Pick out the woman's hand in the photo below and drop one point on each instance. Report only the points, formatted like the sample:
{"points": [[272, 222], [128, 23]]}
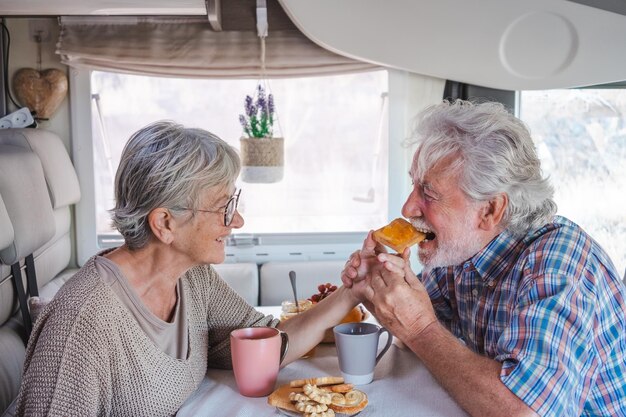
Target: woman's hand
{"points": [[358, 267], [307, 329]]}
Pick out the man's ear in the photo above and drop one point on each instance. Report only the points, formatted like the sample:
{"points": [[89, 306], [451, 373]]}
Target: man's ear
{"points": [[162, 224], [492, 213]]}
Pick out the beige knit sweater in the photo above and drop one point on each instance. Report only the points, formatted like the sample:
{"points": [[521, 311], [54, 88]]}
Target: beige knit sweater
{"points": [[87, 356]]}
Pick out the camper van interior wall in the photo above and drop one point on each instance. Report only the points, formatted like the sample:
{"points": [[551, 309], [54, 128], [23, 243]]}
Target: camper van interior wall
{"points": [[40, 91], [262, 154]]}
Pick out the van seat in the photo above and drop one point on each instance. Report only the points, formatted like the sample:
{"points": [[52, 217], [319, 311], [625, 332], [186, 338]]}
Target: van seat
{"points": [[48, 291], [24, 193], [7, 235], [62, 190], [11, 344], [243, 278], [38, 185], [275, 285]]}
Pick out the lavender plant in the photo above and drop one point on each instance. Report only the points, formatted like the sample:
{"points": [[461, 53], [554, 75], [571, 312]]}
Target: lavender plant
{"points": [[258, 120]]}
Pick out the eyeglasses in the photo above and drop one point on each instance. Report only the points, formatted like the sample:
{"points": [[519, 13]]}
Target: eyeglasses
{"points": [[229, 208]]}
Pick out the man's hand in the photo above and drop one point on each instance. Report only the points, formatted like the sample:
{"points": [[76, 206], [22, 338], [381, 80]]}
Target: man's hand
{"points": [[400, 300], [402, 305]]}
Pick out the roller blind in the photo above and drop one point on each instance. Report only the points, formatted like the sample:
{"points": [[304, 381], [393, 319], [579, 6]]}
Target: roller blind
{"points": [[188, 47]]}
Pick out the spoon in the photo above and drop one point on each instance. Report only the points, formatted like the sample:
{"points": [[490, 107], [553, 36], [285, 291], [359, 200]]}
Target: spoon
{"points": [[292, 278]]}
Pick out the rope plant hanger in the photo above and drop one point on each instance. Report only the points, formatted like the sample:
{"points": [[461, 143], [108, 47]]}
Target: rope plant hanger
{"points": [[262, 152]]}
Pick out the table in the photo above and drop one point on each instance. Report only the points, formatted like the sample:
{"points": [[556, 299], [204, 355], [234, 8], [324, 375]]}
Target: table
{"points": [[402, 387]]}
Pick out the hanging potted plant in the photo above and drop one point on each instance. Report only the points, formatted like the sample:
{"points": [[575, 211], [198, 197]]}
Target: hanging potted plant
{"points": [[262, 154]]}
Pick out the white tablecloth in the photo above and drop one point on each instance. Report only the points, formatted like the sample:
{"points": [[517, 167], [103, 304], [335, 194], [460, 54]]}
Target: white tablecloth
{"points": [[402, 387]]}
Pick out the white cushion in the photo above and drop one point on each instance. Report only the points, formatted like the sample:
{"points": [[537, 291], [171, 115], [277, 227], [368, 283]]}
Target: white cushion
{"points": [[12, 354], [59, 172], [48, 291], [25, 197], [6, 228], [275, 285], [10, 412], [243, 278]]}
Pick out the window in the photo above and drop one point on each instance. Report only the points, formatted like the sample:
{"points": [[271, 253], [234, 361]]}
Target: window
{"points": [[336, 144], [580, 135]]}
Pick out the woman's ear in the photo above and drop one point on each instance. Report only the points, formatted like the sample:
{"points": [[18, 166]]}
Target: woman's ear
{"points": [[492, 213], [162, 224]]}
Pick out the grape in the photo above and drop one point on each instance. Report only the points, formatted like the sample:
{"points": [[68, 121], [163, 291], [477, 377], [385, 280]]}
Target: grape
{"points": [[324, 290]]}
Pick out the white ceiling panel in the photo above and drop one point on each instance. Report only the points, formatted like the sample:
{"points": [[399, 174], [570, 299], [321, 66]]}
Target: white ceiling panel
{"points": [[505, 44]]}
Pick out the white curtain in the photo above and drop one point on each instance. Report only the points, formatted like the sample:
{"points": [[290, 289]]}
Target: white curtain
{"points": [[188, 47]]}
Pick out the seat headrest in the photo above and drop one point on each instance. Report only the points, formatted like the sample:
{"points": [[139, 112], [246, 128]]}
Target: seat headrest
{"points": [[59, 172], [6, 228], [23, 190]]}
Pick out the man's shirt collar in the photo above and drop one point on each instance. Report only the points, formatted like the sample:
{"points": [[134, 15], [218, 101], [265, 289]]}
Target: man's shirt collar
{"points": [[499, 256]]}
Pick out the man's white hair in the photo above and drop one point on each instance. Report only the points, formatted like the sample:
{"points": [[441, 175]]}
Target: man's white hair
{"points": [[493, 153]]}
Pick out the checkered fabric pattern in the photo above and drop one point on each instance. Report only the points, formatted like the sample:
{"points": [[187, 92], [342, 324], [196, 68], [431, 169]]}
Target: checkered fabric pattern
{"points": [[550, 306]]}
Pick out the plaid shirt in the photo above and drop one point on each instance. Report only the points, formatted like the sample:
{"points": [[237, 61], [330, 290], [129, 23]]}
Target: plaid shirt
{"points": [[550, 307]]}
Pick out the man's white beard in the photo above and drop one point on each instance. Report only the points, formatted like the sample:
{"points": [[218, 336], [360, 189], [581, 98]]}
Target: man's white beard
{"points": [[454, 251]]}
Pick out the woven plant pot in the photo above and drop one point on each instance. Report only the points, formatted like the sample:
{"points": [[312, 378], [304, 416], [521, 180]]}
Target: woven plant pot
{"points": [[262, 159]]}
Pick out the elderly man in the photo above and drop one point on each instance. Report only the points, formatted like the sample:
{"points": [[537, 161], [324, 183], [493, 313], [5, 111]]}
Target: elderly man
{"points": [[517, 311]]}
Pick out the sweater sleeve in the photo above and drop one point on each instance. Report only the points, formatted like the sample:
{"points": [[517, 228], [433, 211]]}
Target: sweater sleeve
{"points": [[227, 311], [64, 370]]}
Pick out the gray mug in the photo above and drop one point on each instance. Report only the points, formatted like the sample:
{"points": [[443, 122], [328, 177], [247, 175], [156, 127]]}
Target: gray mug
{"points": [[357, 344]]}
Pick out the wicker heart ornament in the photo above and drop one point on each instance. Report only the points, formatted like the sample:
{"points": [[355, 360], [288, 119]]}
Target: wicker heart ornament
{"points": [[40, 91]]}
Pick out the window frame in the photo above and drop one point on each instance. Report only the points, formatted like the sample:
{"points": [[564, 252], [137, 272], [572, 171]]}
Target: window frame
{"points": [[241, 247]]}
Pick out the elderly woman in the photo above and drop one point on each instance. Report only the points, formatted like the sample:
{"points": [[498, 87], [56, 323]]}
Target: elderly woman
{"points": [[133, 332]]}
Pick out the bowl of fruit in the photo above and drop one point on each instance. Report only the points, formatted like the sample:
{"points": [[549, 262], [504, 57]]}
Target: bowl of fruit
{"points": [[358, 313]]}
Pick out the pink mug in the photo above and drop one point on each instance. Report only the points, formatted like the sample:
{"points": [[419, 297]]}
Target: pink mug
{"points": [[257, 353]]}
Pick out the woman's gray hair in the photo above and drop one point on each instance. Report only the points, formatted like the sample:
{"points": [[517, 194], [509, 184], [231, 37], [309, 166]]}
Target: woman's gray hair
{"points": [[493, 152], [167, 165]]}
